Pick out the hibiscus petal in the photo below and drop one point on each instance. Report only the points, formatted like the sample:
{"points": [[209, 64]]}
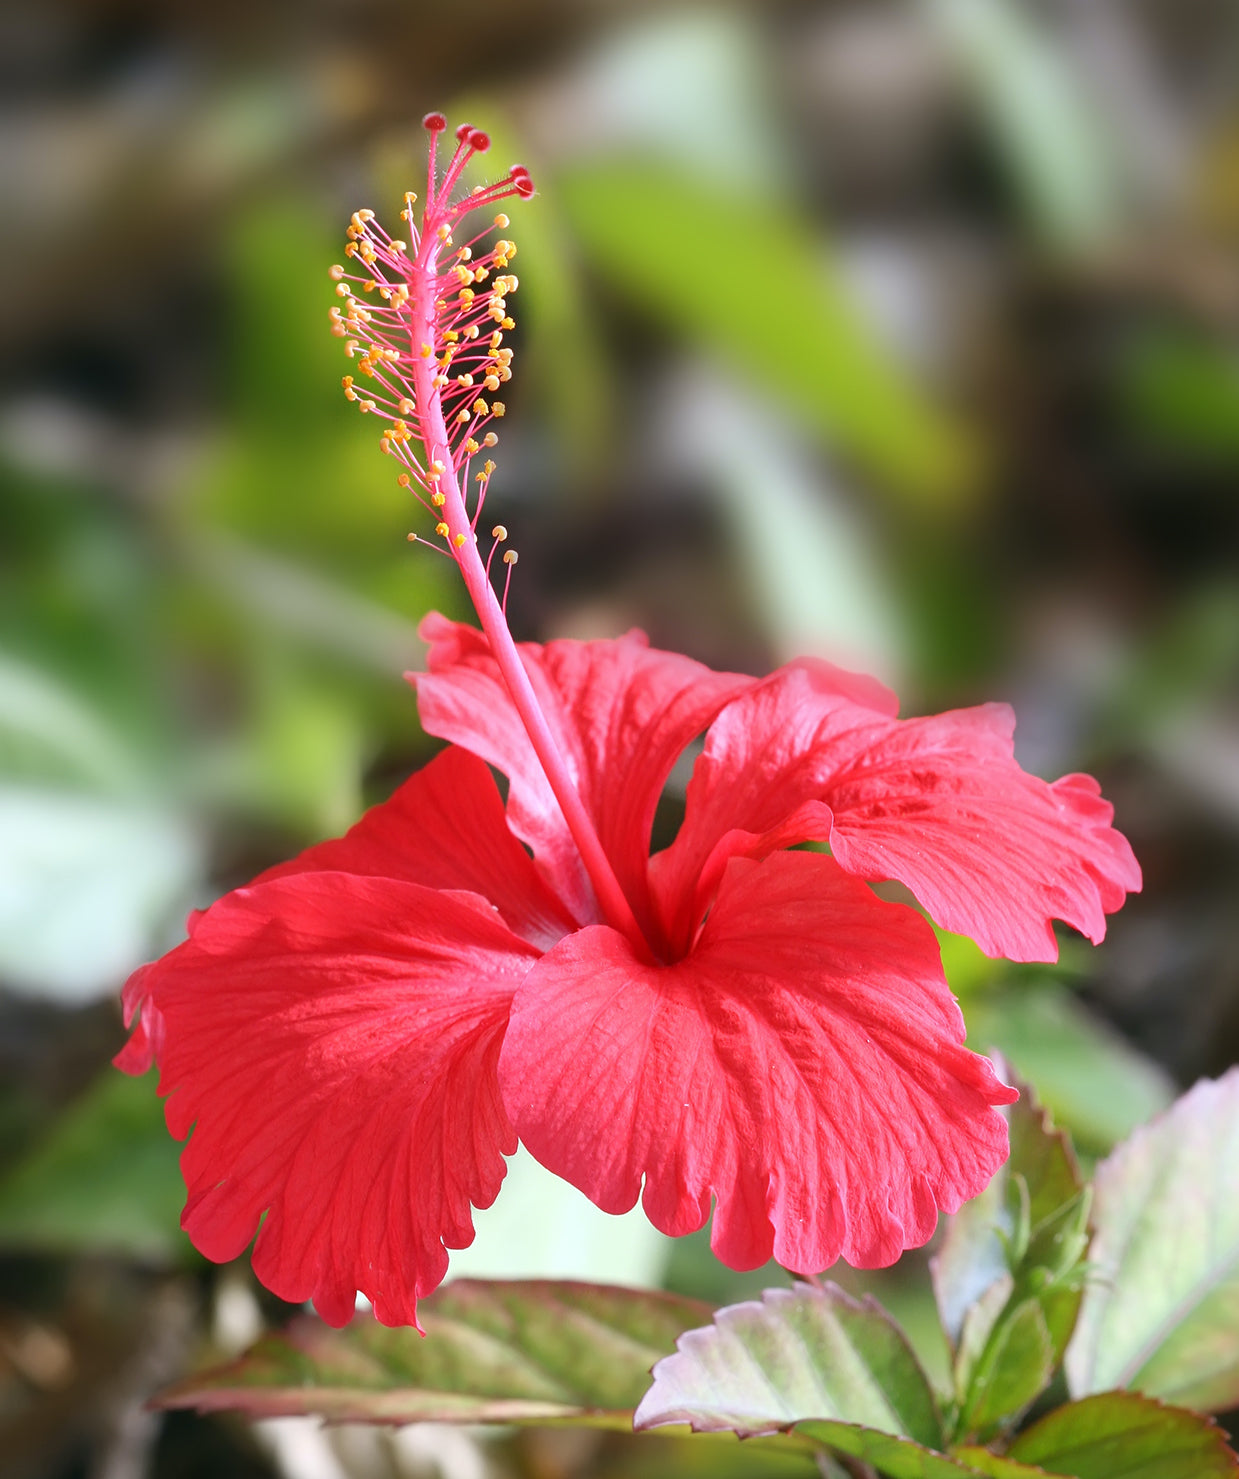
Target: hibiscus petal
{"points": [[939, 804], [332, 1042], [620, 711], [445, 828], [804, 1066]]}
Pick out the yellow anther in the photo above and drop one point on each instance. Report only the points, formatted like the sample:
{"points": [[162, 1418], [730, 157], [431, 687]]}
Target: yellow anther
{"points": [[410, 197], [366, 215], [351, 249], [426, 351], [509, 323], [465, 254], [440, 382], [466, 296], [490, 440], [442, 530], [471, 332], [480, 274], [505, 374], [336, 272], [463, 274], [510, 557], [471, 447], [358, 223], [498, 408], [436, 468], [488, 467], [412, 538], [367, 405], [351, 348], [480, 407], [502, 221], [491, 382], [438, 499], [404, 480], [464, 380], [346, 381], [496, 339], [462, 416], [349, 393], [369, 287], [499, 533], [444, 234], [399, 246], [458, 540], [405, 406], [451, 336], [343, 290]]}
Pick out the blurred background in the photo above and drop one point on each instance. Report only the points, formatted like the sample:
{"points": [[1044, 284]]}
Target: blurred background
{"points": [[899, 331]]}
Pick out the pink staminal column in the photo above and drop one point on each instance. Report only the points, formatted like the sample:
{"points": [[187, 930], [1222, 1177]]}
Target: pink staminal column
{"points": [[432, 316]]}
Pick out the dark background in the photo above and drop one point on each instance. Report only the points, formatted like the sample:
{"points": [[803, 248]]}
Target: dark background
{"points": [[904, 333]]}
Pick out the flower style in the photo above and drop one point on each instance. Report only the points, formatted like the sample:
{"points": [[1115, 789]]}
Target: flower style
{"points": [[359, 1037]]}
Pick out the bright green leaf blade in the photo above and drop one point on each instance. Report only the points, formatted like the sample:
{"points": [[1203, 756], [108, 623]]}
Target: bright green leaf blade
{"points": [[973, 1255], [1161, 1313], [494, 1352], [801, 1353], [105, 1180], [1016, 1368], [896, 1458], [996, 1465], [752, 287], [1122, 1434]]}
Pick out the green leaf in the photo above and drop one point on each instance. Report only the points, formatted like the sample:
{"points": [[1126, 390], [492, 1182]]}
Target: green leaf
{"points": [[90, 886], [805, 1352], [105, 1180], [752, 287], [815, 580], [996, 1465], [518, 1352], [1122, 1434], [1184, 390], [1040, 116], [1005, 1278], [897, 1458], [48, 731], [1014, 1369], [1162, 1312], [1093, 1082], [974, 1253]]}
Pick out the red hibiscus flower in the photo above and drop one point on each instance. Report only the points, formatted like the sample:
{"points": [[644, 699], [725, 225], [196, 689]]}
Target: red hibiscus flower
{"points": [[358, 1038]]}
